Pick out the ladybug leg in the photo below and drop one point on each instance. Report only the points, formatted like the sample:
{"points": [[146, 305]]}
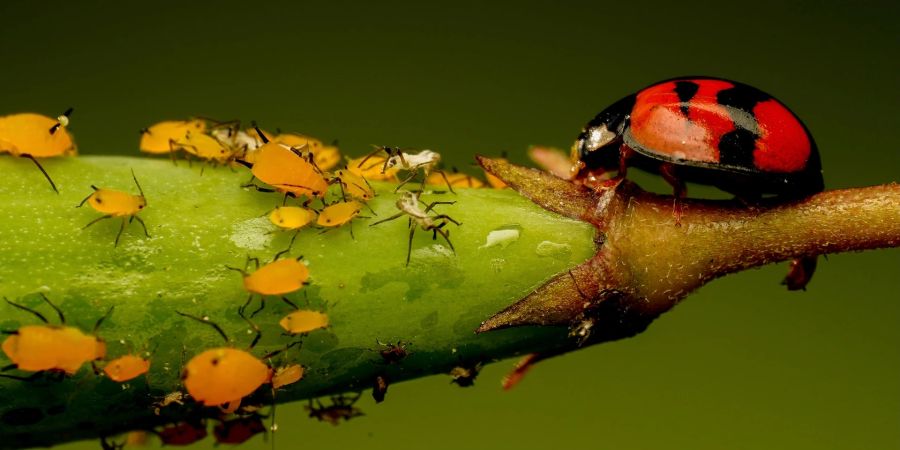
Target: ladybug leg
{"points": [[668, 173], [625, 153], [800, 272]]}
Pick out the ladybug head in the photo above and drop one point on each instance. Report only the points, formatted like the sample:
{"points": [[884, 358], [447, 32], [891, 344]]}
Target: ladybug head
{"points": [[602, 133]]}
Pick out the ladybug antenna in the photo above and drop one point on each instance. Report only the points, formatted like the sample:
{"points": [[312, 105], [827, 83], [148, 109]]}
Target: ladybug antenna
{"points": [[208, 322]]}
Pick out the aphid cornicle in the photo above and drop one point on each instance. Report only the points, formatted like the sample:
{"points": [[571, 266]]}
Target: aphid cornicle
{"points": [[710, 131], [114, 203], [277, 278], [34, 136], [60, 348]]}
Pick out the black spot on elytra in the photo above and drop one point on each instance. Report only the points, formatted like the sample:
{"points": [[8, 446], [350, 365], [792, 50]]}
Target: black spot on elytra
{"points": [[736, 148], [22, 416], [686, 91], [742, 97]]}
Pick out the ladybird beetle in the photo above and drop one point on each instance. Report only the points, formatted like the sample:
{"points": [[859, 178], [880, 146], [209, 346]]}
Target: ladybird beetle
{"points": [[276, 278], [710, 131], [60, 348], [341, 408], [32, 136], [126, 367], [114, 203]]}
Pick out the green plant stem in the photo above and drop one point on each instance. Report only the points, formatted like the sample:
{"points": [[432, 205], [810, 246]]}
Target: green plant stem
{"points": [[198, 225]]}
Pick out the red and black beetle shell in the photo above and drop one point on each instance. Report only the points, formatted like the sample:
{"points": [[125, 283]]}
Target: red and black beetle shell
{"points": [[713, 131]]}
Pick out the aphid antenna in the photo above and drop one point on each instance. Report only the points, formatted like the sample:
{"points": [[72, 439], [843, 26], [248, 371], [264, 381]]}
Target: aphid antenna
{"points": [[121, 230], [208, 322], [282, 350], [25, 308], [39, 166], [133, 177], [394, 217], [373, 153], [103, 318]]}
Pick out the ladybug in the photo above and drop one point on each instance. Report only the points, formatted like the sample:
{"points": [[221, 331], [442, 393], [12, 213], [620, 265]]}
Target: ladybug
{"points": [[709, 131]]}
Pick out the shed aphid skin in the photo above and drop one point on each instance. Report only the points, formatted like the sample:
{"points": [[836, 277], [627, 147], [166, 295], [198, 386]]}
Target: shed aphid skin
{"points": [[379, 388], [425, 160], [277, 278], [165, 137], [341, 407], [34, 136], [338, 214], [114, 203], [51, 348], [303, 322], [409, 205], [464, 375], [225, 375], [393, 353]]}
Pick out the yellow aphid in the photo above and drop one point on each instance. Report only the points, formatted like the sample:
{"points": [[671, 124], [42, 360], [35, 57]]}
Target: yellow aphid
{"points": [[339, 213], [325, 156], [114, 203], [287, 375], [303, 321], [288, 172], [163, 137], [371, 168], [277, 278], [33, 136], [455, 180], [206, 147], [291, 217], [354, 185], [126, 368], [224, 375]]}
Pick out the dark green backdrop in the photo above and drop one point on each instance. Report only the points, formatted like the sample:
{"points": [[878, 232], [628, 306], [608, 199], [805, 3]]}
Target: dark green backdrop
{"points": [[742, 364]]}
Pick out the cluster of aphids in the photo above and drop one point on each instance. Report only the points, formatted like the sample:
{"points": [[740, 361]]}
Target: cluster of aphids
{"points": [[299, 167]]}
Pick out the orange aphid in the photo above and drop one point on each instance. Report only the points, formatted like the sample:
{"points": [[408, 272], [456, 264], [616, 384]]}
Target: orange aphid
{"points": [[127, 367], [287, 375], [113, 203], [339, 213], [303, 321], [277, 278], [455, 180], [163, 137], [291, 217], [288, 172], [36, 348], [206, 147], [32, 136], [371, 169], [354, 185], [224, 375]]}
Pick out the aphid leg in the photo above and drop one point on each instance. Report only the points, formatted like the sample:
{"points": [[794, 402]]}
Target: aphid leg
{"points": [[289, 302], [246, 304], [412, 232], [59, 313], [208, 322], [668, 173], [446, 217], [25, 308], [395, 216], [258, 188], [281, 253], [256, 330], [102, 318], [96, 220], [46, 175], [371, 154], [409, 178], [262, 304], [31, 377], [143, 225], [446, 180], [119, 234], [255, 262], [8, 368], [95, 188], [282, 350]]}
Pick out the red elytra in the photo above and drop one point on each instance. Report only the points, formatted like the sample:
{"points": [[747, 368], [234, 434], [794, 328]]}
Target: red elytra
{"points": [[709, 131]]}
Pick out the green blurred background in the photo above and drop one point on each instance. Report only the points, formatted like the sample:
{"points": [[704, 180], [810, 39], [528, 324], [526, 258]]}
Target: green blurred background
{"points": [[741, 364]]}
